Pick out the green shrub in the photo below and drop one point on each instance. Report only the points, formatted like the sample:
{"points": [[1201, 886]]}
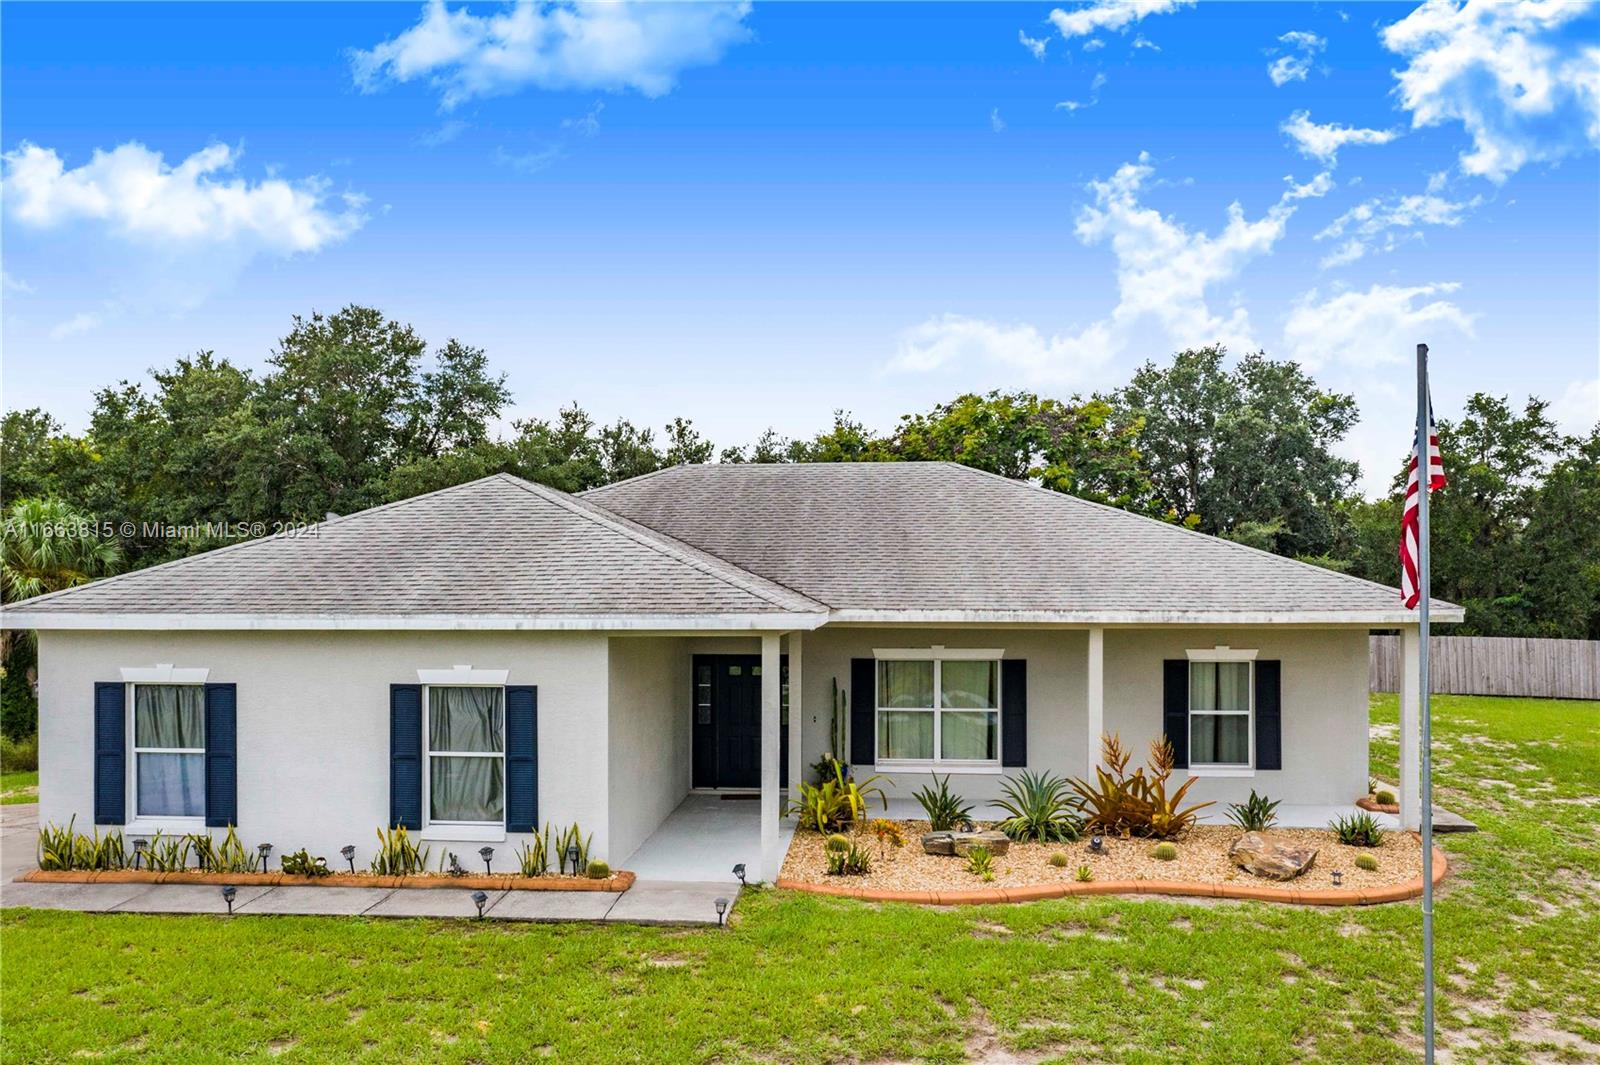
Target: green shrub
{"points": [[838, 800], [64, 848], [1367, 862], [980, 863], [1255, 813], [534, 858], [168, 855], [397, 855], [945, 809], [561, 842], [1039, 809], [19, 756], [1357, 830], [1085, 874], [229, 856], [1060, 860], [1166, 852], [855, 861], [301, 863], [1384, 798], [599, 870]]}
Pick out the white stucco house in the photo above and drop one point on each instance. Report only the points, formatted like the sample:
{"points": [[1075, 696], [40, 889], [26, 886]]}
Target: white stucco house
{"points": [[481, 660]]}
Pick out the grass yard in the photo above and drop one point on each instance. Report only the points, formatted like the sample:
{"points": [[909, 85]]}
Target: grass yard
{"points": [[809, 979], [19, 787]]}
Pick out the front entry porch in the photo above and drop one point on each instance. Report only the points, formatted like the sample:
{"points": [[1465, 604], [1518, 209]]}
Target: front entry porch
{"points": [[704, 838]]}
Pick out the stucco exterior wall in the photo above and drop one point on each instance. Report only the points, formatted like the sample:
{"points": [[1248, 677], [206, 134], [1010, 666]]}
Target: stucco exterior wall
{"points": [[1324, 701], [313, 722], [649, 736]]}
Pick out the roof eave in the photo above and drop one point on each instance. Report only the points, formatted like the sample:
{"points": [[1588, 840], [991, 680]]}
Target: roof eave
{"points": [[1370, 618], [197, 622]]}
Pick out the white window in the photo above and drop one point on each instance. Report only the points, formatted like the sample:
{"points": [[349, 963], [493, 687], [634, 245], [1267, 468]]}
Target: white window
{"points": [[169, 750], [465, 732], [938, 710], [1221, 719]]}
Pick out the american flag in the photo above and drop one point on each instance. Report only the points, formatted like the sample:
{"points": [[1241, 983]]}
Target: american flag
{"points": [[1409, 548]]}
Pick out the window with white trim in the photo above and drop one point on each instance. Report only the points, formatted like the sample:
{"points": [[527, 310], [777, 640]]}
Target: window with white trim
{"points": [[464, 730], [938, 711], [1221, 714], [169, 750]]}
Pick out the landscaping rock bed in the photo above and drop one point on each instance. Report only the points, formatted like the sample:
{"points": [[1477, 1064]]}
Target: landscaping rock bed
{"points": [[1202, 857]]}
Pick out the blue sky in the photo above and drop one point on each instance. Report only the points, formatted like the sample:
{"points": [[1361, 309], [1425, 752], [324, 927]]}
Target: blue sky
{"points": [[753, 214]]}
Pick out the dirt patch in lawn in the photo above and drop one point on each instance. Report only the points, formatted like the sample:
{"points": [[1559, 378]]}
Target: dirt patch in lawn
{"points": [[1202, 857]]}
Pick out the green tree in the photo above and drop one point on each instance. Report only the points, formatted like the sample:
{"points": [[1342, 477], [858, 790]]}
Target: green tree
{"points": [[1251, 446], [1562, 544]]}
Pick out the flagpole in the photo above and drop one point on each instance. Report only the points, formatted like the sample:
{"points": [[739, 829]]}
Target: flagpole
{"points": [[1424, 482]]}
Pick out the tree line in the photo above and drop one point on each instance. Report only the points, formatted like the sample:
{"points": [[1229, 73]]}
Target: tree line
{"points": [[353, 410]]}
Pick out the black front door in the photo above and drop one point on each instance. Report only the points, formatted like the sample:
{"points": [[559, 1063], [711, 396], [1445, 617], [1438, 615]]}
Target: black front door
{"points": [[727, 722]]}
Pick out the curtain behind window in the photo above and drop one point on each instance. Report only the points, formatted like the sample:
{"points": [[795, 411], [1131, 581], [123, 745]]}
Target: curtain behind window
{"points": [[170, 715], [466, 719]]}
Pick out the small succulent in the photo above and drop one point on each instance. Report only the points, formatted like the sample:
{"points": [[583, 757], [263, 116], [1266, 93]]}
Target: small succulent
{"points": [[1085, 874], [599, 870], [1385, 798], [980, 863], [1059, 860], [1367, 862], [1357, 830], [1166, 852], [838, 843]]}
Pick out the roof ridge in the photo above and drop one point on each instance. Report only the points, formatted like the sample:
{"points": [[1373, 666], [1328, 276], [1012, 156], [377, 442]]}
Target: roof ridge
{"points": [[638, 477], [681, 551], [1207, 537], [253, 542]]}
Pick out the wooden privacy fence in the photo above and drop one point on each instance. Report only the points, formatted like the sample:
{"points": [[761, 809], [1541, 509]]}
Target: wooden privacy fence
{"points": [[1495, 665]]}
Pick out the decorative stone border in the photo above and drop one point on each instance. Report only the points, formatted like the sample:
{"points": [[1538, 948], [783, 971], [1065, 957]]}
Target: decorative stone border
{"points": [[619, 881], [1410, 889]]}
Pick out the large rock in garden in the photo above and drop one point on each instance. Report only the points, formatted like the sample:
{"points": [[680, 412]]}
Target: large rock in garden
{"points": [[960, 844], [1267, 857]]}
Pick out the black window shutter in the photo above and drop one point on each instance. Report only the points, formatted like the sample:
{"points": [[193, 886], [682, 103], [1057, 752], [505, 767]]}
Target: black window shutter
{"points": [[1175, 709], [522, 758], [222, 759], [863, 711], [1269, 714], [1013, 711], [405, 756], [110, 754]]}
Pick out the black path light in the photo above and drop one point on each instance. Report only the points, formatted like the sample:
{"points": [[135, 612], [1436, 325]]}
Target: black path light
{"points": [[265, 849], [738, 871], [349, 852], [572, 858], [1338, 877], [478, 899], [227, 896], [487, 854], [138, 850], [722, 908]]}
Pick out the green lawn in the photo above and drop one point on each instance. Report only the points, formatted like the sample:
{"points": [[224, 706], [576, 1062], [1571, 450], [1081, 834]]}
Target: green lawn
{"points": [[19, 787], [807, 979]]}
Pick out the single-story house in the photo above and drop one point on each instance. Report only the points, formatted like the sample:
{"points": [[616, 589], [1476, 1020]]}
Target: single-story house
{"points": [[478, 661]]}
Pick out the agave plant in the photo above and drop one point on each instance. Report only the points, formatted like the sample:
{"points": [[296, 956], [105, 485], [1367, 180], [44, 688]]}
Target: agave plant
{"points": [[1039, 808], [945, 809], [1255, 813]]}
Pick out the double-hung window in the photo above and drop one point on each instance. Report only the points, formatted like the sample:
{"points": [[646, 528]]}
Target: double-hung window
{"points": [[169, 750], [1221, 702], [466, 738], [938, 710]]}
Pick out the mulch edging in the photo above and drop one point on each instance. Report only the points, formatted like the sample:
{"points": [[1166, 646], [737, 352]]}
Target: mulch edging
{"points": [[1410, 889], [619, 881]]}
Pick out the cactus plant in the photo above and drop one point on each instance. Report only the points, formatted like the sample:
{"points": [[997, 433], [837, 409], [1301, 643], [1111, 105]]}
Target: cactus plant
{"points": [[599, 870], [1166, 852], [1059, 860], [1367, 862]]}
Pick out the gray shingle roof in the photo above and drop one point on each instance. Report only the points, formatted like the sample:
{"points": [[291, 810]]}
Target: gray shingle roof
{"points": [[873, 538], [496, 547]]}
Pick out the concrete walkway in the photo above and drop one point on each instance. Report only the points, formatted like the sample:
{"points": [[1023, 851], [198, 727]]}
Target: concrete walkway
{"points": [[647, 902], [703, 839]]}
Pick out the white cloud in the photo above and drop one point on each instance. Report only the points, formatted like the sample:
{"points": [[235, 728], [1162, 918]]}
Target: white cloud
{"points": [[1577, 411], [1096, 83], [78, 323], [1036, 45], [14, 284], [1395, 219], [1165, 272], [1110, 15], [446, 132], [586, 124], [1322, 142], [1142, 41], [1316, 188], [586, 46], [529, 162], [996, 123], [133, 194], [1093, 44], [1366, 329], [1296, 64], [1523, 82]]}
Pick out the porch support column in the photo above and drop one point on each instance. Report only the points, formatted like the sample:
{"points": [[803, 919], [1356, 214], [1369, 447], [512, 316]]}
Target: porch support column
{"points": [[1410, 729], [771, 738], [797, 708], [1095, 671]]}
